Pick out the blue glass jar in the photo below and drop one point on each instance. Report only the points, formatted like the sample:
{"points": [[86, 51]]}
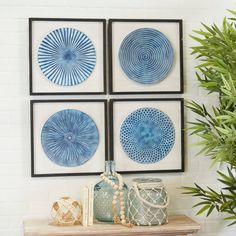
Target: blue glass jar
{"points": [[103, 195]]}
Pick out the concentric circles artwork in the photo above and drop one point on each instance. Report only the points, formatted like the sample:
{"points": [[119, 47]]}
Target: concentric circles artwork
{"points": [[69, 138], [147, 135], [146, 56], [66, 56]]}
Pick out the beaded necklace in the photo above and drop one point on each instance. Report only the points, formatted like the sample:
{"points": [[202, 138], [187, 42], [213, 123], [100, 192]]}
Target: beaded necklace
{"points": [[117, 194]]}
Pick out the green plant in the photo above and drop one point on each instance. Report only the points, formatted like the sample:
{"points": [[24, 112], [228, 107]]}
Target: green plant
{"points": [[217, 126]]}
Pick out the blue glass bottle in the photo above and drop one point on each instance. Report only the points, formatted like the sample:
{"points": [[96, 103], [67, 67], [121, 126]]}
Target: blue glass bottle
{"points": [[103, 195]]}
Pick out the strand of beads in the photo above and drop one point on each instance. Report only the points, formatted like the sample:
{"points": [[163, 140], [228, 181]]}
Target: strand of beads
{"points": [[118, 193], [121, 195]]}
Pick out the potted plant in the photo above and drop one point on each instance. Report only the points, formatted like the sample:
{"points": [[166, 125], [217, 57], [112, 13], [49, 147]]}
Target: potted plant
{"points": [[216, 126]]}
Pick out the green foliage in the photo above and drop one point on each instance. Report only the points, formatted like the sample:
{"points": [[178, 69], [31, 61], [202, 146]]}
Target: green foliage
{"points": [[223, 201], [217, 52], [217, 126]]}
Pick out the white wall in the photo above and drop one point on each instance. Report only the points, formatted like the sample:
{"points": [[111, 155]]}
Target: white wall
{"points": [[22, 197]]}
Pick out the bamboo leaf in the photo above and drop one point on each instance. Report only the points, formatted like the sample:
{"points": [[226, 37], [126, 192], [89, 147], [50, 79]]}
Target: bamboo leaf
{"points": [[203, 33], [202, 203], [230, 218], [230, 174], [212, 207], [223, 131], [226, 84], [196, 39], [225, 177], [233, 223], [209, 29], [203, 209]]}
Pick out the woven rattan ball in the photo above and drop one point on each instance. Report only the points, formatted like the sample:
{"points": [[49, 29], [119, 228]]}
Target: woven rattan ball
{"points": [[66, 211]]}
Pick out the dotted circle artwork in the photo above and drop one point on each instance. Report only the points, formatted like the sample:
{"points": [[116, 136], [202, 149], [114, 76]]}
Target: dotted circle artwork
{"points": [[69, 138], [147, 135], [66, 56], [146, 56]]}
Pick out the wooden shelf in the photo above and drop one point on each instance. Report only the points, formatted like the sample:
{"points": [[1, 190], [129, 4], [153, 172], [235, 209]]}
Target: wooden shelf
{"points": [[178, 225]]}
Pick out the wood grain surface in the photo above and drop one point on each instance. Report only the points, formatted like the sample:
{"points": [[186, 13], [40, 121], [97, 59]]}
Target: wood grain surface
{"points": [[178, 225]]}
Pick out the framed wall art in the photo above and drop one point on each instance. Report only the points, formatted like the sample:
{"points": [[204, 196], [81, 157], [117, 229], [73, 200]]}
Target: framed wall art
{"points": [[146, 56], [147, 135], [68, 137], [67, 56]]}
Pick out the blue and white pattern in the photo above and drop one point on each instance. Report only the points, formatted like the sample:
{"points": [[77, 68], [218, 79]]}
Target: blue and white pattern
{"points": [[146, 56], [69, 138], [147, 135], [66, 56]]}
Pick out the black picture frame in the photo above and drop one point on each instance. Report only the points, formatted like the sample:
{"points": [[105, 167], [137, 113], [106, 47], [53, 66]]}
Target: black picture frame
{"points": [[37, 87], [126, 104], [114, 64], [67, 103]]}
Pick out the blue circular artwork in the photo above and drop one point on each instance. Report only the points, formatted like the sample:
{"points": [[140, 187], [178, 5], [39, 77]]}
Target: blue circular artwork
{"points": [[66, 56], [69, 138], [147, 135], [146, 56]]}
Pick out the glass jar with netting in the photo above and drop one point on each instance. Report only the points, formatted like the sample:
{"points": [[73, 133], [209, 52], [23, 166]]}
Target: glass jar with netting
{"points": [[147, 202]]}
